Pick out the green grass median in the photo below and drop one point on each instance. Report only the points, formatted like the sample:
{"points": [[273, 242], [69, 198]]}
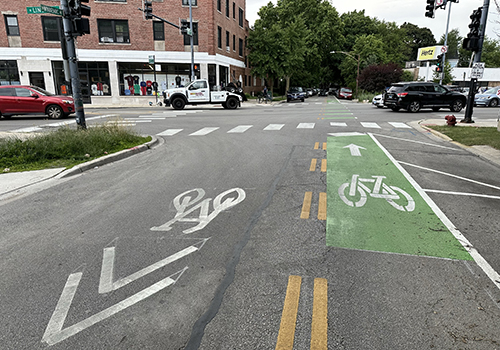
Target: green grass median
{"points": [[471, 135], [65, 147]]}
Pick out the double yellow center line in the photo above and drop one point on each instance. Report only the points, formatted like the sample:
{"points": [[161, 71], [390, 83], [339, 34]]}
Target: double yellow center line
{"points": [[319, 327]]}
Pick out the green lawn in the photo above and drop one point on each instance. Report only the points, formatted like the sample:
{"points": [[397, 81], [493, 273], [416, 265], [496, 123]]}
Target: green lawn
{"points": [[65, 147], [470, 135]]}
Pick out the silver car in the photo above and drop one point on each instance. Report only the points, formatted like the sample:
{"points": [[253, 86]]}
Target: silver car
{"points": [[489, 98]]}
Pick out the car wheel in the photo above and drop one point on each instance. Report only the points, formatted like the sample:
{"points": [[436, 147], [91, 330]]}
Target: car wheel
{"points": [[54, 112], [414, 106], [435, 109], [493, 103], [232, 103], [456, 106], [301, 100], [288, 100], [395, 109], [178, 103]]}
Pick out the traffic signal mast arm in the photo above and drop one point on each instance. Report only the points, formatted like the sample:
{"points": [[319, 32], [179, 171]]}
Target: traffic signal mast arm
{"points": [[183, 29]]}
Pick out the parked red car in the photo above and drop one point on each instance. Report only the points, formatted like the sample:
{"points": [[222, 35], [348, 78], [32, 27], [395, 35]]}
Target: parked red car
{"points": [[345, 93], [22, 99]]}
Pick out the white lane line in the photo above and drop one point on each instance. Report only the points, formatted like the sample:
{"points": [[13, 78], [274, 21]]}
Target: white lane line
{"points": [[318, 103], [337, 134], [169, 132], [31, 129], [203, 132], [338, 124], [274, 127], [420, 142], [370, 125], [463, 194], [136, 120], [478, 258], [400, 125], [240, 129], [306, 126], [451, 175]]}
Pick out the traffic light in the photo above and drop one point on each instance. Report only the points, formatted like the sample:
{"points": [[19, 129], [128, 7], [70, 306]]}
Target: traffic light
{"points": [[471, 43], [439, 64], [81, 26], [185, 28], [148, 9], [196, 68], [429, 9]]}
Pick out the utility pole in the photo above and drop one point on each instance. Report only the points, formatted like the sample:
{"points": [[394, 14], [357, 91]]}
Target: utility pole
{"points": [[477, 47], [445, 44], [191, 40]]}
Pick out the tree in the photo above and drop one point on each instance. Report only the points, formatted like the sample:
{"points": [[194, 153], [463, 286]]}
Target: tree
{"points": [[416, 38], [454, 43], [376, 78]]}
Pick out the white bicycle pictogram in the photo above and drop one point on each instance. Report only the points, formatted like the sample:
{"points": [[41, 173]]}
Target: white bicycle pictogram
{"points": [[380, 190]]}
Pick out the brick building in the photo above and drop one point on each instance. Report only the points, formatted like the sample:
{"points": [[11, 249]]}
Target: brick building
{"points": [[113, 59]]}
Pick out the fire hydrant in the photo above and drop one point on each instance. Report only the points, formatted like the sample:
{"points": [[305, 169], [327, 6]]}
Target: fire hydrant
{"points": [[451, 120]]}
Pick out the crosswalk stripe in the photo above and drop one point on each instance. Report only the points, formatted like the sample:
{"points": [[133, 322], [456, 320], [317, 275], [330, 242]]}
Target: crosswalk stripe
{"points": [[274, 127], [400, 125], [371, 125], [338, 124], [169, 132], [306, 126], [240, 129], [203, 132]]}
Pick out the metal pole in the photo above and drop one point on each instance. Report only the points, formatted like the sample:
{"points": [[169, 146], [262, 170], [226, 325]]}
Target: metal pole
{"points": [[357, 78], [445, 44], [191, 40], [73, 65], [477, 58]]}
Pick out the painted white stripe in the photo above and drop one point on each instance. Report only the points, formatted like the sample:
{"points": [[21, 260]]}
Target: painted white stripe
{"points": [[463, 194], [54, 332], [400, 125], [306, 126], [240, 129], [318, 103], [32, 129], [451, 175], [136, 120], [274, 127], [370, 125], [203, 132], [169, 132], [337, 134], [420, 142], [338, 124], [480, 261], [122, 123]]}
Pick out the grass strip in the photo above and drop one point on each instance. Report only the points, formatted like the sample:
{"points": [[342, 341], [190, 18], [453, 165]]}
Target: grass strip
{"points": [[471, 135], [65, 147]]}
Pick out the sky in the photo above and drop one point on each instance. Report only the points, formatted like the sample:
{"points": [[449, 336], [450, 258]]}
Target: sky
{"points": [[411, 11]]}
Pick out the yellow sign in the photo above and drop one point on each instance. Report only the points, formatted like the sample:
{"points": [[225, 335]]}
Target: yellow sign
{"points": [[430, 53]]}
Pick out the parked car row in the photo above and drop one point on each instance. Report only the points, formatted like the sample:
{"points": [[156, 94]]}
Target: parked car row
{"points": [[413, 96]]}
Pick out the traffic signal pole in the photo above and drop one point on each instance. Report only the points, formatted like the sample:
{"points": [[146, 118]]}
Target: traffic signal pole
{"points": [[73, 65], [445, 44], [191, 40], [477, 58]]}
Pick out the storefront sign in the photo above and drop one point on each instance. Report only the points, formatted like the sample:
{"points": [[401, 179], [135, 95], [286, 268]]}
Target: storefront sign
{"points": [[430, 53]]}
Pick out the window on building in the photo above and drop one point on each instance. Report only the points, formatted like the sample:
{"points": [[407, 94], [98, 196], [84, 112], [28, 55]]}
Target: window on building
{"points": [[241, 18], [240, 49], [219, 37], [219, 5], [158, 30], [113, 31], [227, 40], [234, 10], [193, 2], [227, 8], [187, 40], [50, 27], [11, 25], [9, 74], [234, 43]]}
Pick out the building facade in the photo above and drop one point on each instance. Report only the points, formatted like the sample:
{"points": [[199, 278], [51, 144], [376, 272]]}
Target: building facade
{"points": [[115, 59]]}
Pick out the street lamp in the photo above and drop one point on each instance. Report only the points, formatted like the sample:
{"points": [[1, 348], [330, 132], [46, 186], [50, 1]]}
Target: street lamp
{"points": [[357, 60]]}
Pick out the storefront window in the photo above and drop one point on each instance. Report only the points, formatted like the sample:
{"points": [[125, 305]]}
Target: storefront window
{"points": [[94, 77], [137, 79], [9, 74]]}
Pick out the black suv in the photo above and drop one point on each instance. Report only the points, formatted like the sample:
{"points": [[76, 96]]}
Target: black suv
{"points": [[413, 96]]}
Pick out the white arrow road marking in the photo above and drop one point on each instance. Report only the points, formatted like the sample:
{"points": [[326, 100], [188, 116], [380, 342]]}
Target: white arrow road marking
{"points": [[54, 332], [106, 283], [354, 150]]}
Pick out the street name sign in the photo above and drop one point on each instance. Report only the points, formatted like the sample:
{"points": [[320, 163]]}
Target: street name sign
{"points": [[33, 9], [52, 10]]}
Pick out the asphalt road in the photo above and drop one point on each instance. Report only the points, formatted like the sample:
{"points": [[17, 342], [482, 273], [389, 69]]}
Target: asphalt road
{"points": [[203, 241]]}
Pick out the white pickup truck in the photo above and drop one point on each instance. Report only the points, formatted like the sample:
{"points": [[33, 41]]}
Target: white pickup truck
{"points": [[197, 93]]}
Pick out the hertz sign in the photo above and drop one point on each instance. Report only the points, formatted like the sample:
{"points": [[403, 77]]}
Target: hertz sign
{"points": [[430, 53]]}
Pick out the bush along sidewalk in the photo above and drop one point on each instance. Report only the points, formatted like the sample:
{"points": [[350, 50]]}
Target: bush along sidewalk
{"points": [[470, 135], [66, 147]]}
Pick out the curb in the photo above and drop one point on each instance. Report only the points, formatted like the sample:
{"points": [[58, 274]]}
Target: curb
{"points": [[80, 168]]}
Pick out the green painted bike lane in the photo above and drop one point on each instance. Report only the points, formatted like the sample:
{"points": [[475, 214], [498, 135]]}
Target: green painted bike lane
{"points": [[371, 205]]}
